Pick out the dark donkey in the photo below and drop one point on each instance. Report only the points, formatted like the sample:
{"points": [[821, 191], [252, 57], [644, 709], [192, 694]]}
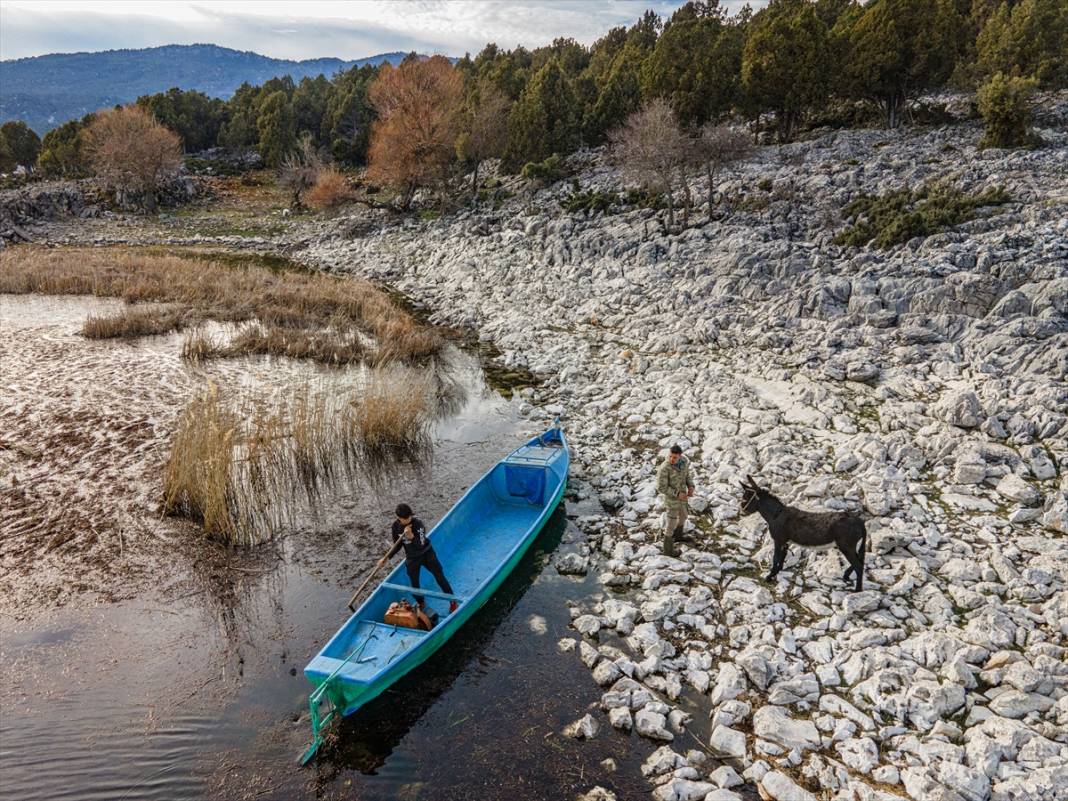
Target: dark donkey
{"points": [[817, 530]]}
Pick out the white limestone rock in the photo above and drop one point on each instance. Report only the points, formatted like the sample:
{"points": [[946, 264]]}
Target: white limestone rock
{"points": [[652, 725], [727, 742], [620, 718], [585, 728], [1016, 489], [725, 776], [772, 723], [859, 753], [777, 786]]}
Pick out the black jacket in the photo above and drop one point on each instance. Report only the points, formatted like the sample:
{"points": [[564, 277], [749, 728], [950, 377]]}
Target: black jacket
{"points": [[420, 544]]}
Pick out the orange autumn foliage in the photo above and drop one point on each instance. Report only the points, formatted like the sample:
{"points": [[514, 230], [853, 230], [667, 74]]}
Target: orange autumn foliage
{"points": [[414, 138]]}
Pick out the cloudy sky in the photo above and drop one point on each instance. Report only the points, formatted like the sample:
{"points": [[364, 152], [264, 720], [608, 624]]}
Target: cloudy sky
{"points": [[300, 29]]}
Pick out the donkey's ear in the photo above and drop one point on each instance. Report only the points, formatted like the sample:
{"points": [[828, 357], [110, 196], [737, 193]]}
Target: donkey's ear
{"points": [[751, 481]]}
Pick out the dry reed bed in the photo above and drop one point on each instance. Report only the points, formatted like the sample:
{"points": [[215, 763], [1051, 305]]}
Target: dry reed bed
{"points": [[334, 346], [202, 289], [135, 322], [244, 468]]}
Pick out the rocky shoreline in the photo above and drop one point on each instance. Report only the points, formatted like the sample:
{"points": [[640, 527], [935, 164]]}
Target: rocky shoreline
{"points": [[924, 385]]}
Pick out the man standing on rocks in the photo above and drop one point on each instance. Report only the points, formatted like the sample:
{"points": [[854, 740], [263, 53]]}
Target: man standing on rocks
{"points": [[675, 485]]}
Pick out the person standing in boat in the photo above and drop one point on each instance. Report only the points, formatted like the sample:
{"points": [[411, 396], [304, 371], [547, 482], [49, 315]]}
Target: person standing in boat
{"points": [[675, 485], [409, 532]]}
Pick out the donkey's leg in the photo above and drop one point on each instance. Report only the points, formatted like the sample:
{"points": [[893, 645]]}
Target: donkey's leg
{"points": [[855, 565], [860, 559], [777, 560]]}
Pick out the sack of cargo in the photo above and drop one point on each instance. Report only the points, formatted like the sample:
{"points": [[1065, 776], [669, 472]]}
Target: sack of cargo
{"points": [[402, 613]]}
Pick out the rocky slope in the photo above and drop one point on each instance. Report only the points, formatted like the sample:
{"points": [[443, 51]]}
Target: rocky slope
{"points": [[925, 385]]}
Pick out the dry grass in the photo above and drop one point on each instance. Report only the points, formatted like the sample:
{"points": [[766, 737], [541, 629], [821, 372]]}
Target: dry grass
{"points": [[134, 322], [244, 468], [227, 293], [199, 346], [393, 409], [327, 346], [330, 191], [198, 476]]}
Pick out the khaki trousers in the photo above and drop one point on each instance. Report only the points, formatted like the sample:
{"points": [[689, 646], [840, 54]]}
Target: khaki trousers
{"points": [[674, 521]]}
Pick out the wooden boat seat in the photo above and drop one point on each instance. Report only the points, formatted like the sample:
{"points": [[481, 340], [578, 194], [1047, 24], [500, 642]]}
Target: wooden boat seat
{"points": [[407, 588]]}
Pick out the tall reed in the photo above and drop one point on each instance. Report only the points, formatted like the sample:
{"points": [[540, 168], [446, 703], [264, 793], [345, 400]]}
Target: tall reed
{"points": [[247, 467]]}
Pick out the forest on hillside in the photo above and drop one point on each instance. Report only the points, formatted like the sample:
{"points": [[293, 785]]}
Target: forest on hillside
{"points": [[795, 64]]}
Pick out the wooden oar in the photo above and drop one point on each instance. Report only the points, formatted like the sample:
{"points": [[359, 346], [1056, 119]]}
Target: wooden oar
{"points": [[367, 580]]}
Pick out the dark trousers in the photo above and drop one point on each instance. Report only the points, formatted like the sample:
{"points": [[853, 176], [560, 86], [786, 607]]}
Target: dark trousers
{"points": [[429, 560]]}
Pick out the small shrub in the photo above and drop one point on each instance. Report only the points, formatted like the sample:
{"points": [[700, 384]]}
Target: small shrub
{"points": [[901, 215], [590, 201], [1005, 105], [764, 184], [299, 171], [217, 167], [547, 172], [330, 191], [643, 199]]}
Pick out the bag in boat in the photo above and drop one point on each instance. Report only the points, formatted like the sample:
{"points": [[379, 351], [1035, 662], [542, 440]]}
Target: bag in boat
{"points": [[402, 613]]}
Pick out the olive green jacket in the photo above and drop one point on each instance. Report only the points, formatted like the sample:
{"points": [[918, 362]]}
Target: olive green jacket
{"points": [[671, 479]]}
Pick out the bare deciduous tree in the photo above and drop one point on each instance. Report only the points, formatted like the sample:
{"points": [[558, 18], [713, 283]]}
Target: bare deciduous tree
{"points": [[414, 138], [300, 170], [716, 146], [650, 148], [132, 153], [485, 131]]}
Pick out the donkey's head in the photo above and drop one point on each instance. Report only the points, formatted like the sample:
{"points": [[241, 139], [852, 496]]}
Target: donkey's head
{"points": [[751, 495]]}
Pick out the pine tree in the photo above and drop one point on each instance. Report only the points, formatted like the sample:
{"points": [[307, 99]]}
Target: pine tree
{"points": [[349, 115], [899, 48], [63, 150], [22, 143], [1028, 39], [785, 61], [194, 116], [277, 128], [545, 119], [620, 97], [239, 131], [7, 163], [310, 101], [695, 65]]}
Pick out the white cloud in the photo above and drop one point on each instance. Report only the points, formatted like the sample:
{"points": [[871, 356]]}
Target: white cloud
{"points": [[313, 29]]}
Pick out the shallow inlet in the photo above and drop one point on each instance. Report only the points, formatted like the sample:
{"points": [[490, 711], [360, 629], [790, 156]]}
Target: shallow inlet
{"points": [[192, 687]]}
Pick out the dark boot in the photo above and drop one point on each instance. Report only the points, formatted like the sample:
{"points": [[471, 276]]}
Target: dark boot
{"points": [[679, 536], [669, 545]]}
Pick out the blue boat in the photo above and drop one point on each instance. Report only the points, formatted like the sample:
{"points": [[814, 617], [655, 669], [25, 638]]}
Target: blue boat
{"points": [[479, 541]]}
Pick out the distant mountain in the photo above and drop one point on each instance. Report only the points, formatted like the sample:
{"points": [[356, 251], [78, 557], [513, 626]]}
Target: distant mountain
{"points": [[46, 91]]}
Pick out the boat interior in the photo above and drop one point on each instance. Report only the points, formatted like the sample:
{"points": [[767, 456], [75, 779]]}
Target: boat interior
{"points": [[472, 542]]}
